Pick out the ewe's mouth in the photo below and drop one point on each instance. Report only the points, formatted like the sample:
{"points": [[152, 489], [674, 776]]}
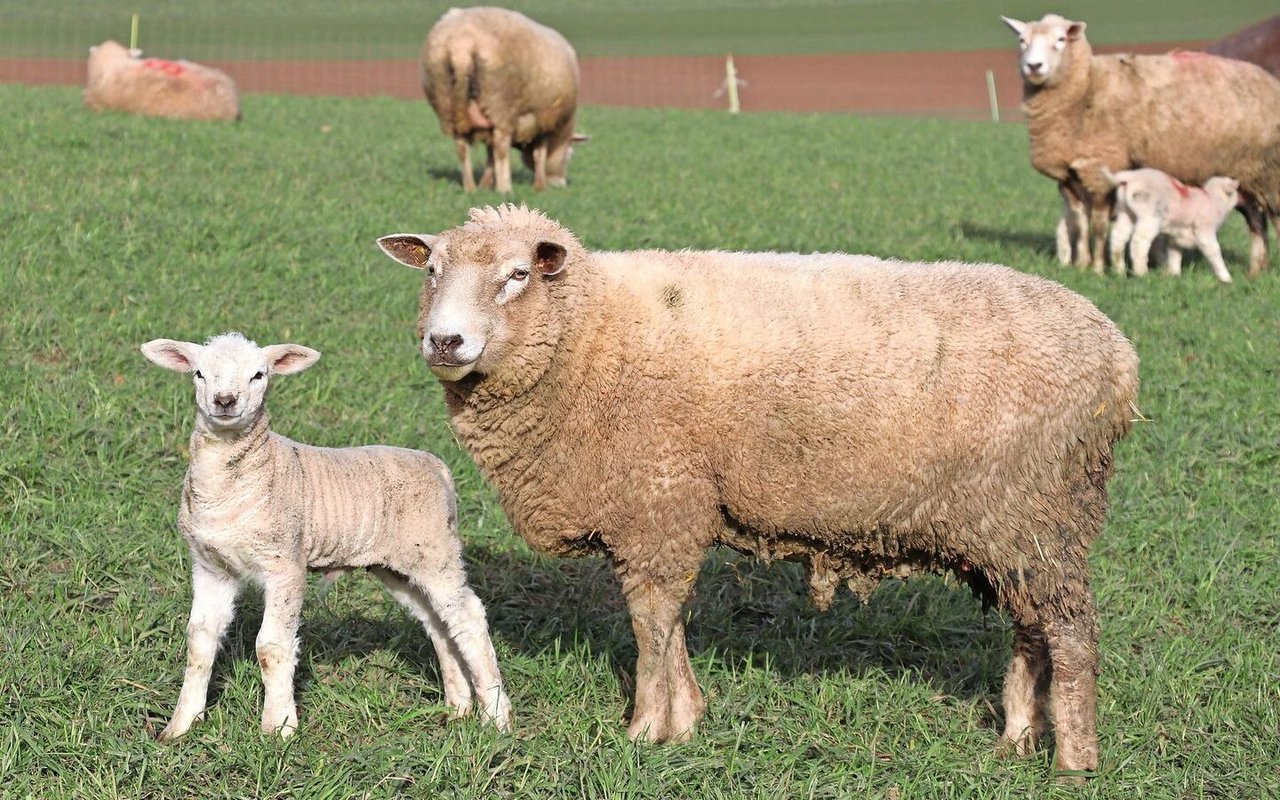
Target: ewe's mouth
{"points": [[449, 371]]}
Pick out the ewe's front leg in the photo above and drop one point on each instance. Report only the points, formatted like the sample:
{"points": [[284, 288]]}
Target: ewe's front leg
{"points": [[540, 165], [277, 647], [1099, 220], [1257, 221], [463, 147], [668, 700], [1072, 234], [501, 153], [213, 598]]}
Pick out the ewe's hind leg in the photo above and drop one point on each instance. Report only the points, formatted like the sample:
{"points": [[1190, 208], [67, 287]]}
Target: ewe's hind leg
{"points": [[501, 152], [1026, 689], [457, 687], [1073, 648], [463, 147], [462, 617], [212, 607], [1257, 221], [277, 647], [486, 177], [540, 165]]}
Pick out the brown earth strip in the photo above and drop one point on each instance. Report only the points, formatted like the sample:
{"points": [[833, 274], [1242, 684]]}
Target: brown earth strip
{"points": [[951, 84]]}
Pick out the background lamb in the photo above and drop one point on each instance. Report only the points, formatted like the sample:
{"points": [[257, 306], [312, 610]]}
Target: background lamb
{"points": [[1149, 203], [498, 77], [259, 508], [872, 419], [154, 87], [1191, 115]]}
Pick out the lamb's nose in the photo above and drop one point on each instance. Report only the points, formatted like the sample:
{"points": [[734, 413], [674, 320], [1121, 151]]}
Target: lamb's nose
{"points": [[224, 400], [445, 342]]}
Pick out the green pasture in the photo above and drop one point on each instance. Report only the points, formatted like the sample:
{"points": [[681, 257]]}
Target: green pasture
{"points": [[115, 230], [340, 29]]}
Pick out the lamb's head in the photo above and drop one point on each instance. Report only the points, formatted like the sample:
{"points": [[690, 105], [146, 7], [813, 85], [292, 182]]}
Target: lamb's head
{"points": [[108, 54], [1048, 48], [1226, 191], [488, 294], [231, 375]]}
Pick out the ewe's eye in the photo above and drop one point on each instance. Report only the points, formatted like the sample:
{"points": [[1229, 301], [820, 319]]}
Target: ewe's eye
{"points": [[257, 376], [519, 274], [199, 376]]}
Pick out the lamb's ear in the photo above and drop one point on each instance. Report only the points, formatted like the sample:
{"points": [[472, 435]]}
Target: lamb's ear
{"points": [[286, 359], [171, 354], [1075, 30], [549, 257], [410, 249], [1018, 26]]}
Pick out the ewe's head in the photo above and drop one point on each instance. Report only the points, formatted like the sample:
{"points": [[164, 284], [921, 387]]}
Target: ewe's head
{"points": [[231, 374], [489, 289], [1046, 47]]}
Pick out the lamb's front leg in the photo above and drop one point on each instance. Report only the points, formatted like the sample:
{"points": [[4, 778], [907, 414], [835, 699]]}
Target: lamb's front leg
{"points": [[277, 646], [213, 598]]}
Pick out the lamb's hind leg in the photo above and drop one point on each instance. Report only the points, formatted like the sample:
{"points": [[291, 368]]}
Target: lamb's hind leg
{"points": [[212, 607], [1026, 689], [1073, 649], [462, 620], [457, 687]]}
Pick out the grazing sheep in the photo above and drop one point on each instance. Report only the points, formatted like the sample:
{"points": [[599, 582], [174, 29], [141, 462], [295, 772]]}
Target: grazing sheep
{"points": [[1259, 44], [259, 508], [870, 418], [121, 81], [1189, 114], [498, 77], [1150, 203]]}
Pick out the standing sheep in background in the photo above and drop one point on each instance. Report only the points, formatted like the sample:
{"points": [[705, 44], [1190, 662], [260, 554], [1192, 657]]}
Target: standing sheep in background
{"points": [[1149, 203], [260, 508], [498, 77], [120, 81], [1188, 114], [869, 418]]}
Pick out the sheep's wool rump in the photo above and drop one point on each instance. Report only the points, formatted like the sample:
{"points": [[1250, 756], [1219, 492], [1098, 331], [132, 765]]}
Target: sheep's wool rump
{"points": [[869, 417]]}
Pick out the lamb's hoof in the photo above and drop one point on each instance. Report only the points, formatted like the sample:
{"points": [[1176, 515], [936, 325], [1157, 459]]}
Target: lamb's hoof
{"points": [[285, 727]]}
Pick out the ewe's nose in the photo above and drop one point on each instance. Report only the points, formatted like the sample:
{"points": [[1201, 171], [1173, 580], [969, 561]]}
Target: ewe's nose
{"points": [[445, 343], [1034, 66], [224, 401]]}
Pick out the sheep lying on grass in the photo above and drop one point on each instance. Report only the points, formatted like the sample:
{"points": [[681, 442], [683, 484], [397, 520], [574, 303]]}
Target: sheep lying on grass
{"points": [[1191, 115], [121, 81], [496, 76], [870, 418], [259, 508], [1149, 203]]}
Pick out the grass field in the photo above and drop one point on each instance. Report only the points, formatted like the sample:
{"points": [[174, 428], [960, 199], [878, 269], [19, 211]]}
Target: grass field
{"points": [[395, 28], [118, 230]]}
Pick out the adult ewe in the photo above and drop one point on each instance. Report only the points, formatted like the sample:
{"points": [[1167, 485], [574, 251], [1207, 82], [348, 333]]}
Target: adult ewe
{"points": [[498, 77], [258, 508], [870, 418], [118, 79], [1188, 114]]}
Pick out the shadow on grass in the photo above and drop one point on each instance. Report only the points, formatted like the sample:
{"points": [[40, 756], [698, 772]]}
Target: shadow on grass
{"points": [[742, 613], [1039, 242]]}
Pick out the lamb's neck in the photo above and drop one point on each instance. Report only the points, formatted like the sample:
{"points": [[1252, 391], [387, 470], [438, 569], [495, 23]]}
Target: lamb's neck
{"points": [[221, 455]]}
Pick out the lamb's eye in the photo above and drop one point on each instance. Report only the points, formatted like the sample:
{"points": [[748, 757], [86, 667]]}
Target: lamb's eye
{"points": [[199, 376], [519, 274], [257, 376]]}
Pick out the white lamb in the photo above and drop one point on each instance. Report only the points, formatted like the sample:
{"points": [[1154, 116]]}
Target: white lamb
{"points": [[259, 508], [1150, 203]]}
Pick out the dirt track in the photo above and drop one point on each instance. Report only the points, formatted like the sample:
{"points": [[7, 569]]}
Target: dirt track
{"points": [[951, 84]]}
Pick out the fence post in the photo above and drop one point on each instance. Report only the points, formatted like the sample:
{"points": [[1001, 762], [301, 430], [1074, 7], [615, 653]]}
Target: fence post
{"points": [[991, 96], [133, 33], [731, 83]]}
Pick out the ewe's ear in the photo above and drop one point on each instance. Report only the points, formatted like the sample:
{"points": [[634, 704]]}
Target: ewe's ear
{"points": [[548, 258], [1018, 26], [410, 249], [171, 354], [580, 138], [1075, 30], [286, 359]]}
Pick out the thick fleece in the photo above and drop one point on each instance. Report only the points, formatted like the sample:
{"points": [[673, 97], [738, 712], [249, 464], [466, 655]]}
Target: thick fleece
{"points": [[869, 418], [496, 76], [155, 87], [258, 508], [1189, 114]]}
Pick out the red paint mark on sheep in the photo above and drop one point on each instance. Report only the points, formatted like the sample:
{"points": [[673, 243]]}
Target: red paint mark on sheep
{"points": [[169, 67], [1181, 188]]}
